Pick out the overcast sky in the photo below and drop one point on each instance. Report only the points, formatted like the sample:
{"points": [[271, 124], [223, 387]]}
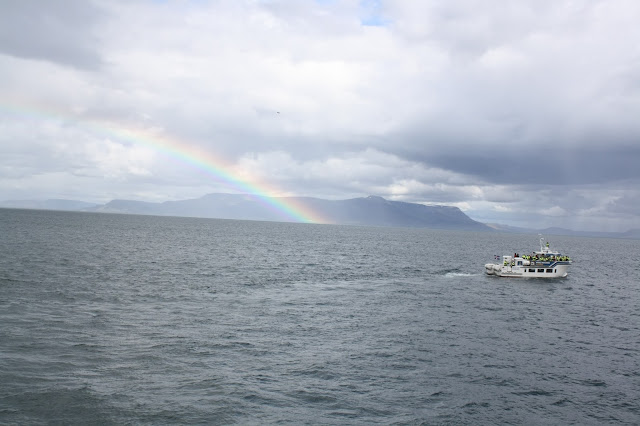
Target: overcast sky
{"points": [[520, 112]]}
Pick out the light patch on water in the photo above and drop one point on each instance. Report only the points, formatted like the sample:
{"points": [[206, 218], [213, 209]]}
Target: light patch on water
{"points": [[460, 274]]}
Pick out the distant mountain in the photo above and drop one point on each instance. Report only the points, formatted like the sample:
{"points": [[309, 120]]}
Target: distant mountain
{"points": [[378, 211], [375, 211], [53, 204], [507, 228], [631, 234], [372, 210]]}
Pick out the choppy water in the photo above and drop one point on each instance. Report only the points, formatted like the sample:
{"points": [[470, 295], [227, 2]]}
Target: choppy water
{"points": [[114, 319]]}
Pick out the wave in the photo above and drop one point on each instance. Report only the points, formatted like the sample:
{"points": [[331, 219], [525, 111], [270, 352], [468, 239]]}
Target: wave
{"points": [[458, 273]]}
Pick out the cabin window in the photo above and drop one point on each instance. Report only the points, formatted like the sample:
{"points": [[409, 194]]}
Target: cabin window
{"points": [[549, 271], [519, 263], [531, 270], [540, 270], [554, 271]]}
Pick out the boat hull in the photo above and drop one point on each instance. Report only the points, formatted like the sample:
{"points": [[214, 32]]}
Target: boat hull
{"points": [[550, 270]]}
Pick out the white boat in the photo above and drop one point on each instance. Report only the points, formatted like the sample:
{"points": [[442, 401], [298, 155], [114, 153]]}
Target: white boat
{"points": [[545, 263]]}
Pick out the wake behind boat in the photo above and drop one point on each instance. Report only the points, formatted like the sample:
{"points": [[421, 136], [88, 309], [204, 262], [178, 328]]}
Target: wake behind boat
{"points": [[545, 263]]}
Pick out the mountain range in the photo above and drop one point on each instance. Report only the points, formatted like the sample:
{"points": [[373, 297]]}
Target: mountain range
{"points": [[367, 211], [370, 211]]}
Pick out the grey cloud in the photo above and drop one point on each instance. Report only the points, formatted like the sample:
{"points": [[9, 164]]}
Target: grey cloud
{"points": [[559, 165], [627, 203], [55, 31], [533, 91], [524, 111]]}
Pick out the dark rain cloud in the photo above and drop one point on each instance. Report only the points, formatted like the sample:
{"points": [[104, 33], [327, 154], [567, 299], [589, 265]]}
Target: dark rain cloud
{"points": [[553, 165]]}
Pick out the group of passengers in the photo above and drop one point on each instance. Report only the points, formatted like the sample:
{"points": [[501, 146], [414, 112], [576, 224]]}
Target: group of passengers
{"points": [[551, 258], [534, 257]]}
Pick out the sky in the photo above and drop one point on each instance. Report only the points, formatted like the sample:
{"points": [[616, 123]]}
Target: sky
{"points": [[525, 113]]}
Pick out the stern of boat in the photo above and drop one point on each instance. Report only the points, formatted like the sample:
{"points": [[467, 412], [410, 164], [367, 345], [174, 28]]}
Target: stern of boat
{"points": [[492, 268]]}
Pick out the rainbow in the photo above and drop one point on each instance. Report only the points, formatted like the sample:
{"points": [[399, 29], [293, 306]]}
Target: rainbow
{"points": [[182, 152]]}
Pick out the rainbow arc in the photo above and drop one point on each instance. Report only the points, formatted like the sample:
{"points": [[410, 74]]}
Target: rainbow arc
{"points": [[182, 152]]}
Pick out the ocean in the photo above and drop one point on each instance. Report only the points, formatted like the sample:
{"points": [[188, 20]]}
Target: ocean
{"points": [[121, 319]]}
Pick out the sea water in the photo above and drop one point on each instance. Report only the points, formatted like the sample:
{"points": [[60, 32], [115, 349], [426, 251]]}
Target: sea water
{"points": [[118, 319]]}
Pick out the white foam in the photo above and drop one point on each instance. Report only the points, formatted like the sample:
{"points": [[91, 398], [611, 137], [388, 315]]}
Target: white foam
{"points": [[459, 274]]}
